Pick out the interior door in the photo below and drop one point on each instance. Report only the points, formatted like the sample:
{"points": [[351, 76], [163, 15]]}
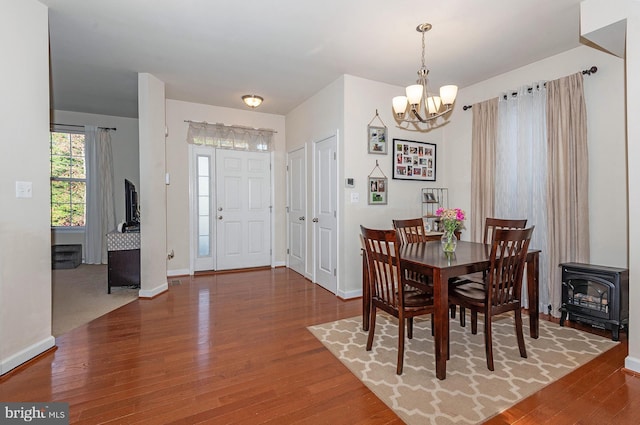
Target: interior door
{"points": [[296, 210], [325, 214], [243, 209]]}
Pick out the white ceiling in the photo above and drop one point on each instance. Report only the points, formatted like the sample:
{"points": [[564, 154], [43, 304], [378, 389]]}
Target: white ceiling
{"points": [[214, 51]]}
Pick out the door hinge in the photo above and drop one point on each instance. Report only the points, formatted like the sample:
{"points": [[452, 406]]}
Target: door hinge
{"points": [[335, 272], [335, 156], [287, 208], [335, 214], [287, 168], [287, 251]]}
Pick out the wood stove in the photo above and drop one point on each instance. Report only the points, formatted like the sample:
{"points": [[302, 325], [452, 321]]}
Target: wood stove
{"points": [[596, 295]]}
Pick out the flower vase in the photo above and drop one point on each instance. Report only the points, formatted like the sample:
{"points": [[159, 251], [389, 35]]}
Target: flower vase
{"points": [[449, 242]]}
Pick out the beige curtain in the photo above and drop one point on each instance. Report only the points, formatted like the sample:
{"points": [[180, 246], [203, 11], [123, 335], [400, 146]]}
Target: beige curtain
{"points": [[483, 140], [568, 183]]}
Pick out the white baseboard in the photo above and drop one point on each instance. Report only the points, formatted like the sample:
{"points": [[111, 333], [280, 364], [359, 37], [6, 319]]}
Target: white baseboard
{"points": [[27, 354], [279, 264], [632, 363], [178, 272], [350, 294], [150, 293]]}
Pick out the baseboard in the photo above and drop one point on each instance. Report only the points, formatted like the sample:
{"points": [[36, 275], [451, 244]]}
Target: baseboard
{"points": [[27, 354], [279, 264], [178, 272], [632, 364], [150, 293], [350, 294]]}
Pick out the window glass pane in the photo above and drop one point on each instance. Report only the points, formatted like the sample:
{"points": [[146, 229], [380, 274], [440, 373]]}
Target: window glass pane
{"points": [[60, 192], [203, 186], [60, 214], [77, 214], [60, 144], [203, 205], [77, 168], [77, 145], [77, 192], [203, 246], [203, 165], [68, 184], [203, 225], [60, 166]]}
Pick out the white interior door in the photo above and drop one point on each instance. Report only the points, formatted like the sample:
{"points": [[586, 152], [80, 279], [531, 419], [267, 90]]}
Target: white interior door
{"points": [[296, 210], [243, 209], [325, 214]]}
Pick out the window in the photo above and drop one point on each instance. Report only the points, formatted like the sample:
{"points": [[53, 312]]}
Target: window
{"points": [[68, 180]]}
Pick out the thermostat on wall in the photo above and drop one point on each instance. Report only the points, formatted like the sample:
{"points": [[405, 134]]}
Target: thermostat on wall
{"points": [[349, 182]]}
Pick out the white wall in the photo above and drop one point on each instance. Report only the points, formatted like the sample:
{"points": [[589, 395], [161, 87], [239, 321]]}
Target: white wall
{"points": [[25, 253], [151, 191], [604, 94], [177, 165], [124, 143]]}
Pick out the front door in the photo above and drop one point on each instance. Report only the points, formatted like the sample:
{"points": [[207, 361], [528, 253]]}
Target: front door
{"points": [[242, 209]]}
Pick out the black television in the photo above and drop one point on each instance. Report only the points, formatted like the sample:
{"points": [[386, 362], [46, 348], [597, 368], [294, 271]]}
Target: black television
{"points": [[132, 218]]}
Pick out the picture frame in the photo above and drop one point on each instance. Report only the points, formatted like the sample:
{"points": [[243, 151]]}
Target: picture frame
{"points": [[414, 160], [377, 140], [430, 198], [378, 191]]}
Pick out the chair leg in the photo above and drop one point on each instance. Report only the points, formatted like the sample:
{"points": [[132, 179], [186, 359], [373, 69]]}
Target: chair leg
{"points": [[519, 334], [410, 327], [452, 307], [463, 317], [433, 332], [400, 345], [474, 322], [372, 327], [488, 341]]}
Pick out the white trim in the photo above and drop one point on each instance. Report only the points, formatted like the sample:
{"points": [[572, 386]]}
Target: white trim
{"points": [[632, 363], [356, 293], [278, 264], [150, 293], [27, 354], [178, 272]]}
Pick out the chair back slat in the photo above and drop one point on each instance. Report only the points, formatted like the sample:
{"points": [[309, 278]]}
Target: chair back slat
{"points": [[508, 257], [491, 224], [410, 230], [381, 250]]}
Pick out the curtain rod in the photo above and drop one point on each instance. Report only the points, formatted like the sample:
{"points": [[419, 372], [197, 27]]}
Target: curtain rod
{"points": [[80, 126], [241, 127], [589, 71]]}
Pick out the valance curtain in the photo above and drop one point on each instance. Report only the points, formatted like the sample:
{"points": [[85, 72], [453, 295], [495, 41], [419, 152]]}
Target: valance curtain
{"points": [[230, 137], [100, 208]]}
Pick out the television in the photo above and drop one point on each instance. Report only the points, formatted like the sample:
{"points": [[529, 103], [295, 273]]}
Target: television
{"points": [[132, 217]]}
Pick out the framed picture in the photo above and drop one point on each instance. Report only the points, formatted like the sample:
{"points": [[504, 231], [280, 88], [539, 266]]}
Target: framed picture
{"points": [[377, 139], [430, 197], [378, 191], [414, 160]]}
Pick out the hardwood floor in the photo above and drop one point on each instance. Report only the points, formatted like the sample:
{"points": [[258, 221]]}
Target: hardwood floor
{"points": [[234, 349]]}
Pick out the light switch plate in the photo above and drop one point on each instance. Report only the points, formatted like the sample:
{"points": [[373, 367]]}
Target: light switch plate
{"points": [[24, 189]]}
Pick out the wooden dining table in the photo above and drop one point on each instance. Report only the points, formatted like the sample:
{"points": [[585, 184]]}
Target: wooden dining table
{"points": [[427, 258]]}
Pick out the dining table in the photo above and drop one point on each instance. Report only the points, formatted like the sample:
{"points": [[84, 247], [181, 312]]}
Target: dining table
{"points": [[428, 258]]}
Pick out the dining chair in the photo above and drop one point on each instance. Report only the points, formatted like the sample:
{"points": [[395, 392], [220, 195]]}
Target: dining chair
{"points": [[502, 289], [388, 289], [491, 224]]}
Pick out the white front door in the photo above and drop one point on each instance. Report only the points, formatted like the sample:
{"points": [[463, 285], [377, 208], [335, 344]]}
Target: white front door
{"points": [[242, 209], [296, 210], [325, 213]]}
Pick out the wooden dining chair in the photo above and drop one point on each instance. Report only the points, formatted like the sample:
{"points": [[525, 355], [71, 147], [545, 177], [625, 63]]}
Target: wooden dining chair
{"points": [[491, 224], [388, 289], [502, 289]]}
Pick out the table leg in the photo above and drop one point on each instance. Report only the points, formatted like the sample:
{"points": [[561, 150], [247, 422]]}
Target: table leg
{"points": [[533, 271], [441, 322]]}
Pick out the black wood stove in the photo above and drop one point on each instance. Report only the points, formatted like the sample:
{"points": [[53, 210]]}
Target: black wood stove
{"points": [[596, 295]]}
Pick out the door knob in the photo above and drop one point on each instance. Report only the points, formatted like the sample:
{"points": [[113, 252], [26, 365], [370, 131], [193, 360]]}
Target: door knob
{"points": [[219, 208], [219, 217], [301, 218], [315, 220]]}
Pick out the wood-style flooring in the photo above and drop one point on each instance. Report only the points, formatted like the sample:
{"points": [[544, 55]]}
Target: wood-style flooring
{"points": [[234, 349]]}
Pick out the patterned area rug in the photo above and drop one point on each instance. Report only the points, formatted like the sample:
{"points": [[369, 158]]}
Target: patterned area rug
{"points": [[471, 393]]}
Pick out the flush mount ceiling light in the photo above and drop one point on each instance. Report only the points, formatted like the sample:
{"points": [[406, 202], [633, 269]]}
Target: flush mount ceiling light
{"points": [[424, 106], [252, 101]]}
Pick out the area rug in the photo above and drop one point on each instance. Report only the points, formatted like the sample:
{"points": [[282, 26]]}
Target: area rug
{"points": [[471, 393]]}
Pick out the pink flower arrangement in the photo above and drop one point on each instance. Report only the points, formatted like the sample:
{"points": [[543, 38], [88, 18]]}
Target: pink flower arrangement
{"points": [[451, 218]]}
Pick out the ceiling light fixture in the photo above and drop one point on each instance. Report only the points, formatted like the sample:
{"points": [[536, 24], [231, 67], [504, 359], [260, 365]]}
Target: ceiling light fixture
{"points": [[252, 101], [421, 101]]}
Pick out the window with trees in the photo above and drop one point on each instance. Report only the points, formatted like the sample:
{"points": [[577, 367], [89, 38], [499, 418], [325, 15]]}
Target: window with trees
{"points": [[68, 180]]}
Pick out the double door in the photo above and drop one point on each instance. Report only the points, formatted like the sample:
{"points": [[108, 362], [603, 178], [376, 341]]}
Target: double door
{"points": [[231, 209]]}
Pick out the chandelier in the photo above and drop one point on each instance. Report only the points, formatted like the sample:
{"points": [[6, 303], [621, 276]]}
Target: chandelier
{"points": [[424, 106]]}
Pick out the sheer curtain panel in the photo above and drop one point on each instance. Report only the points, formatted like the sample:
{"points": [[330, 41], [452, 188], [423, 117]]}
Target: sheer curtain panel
{"points": [[230, 137], [100, 208]]}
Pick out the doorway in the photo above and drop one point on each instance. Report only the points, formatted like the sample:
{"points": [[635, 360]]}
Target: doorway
{"points": [[296, 210]]}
